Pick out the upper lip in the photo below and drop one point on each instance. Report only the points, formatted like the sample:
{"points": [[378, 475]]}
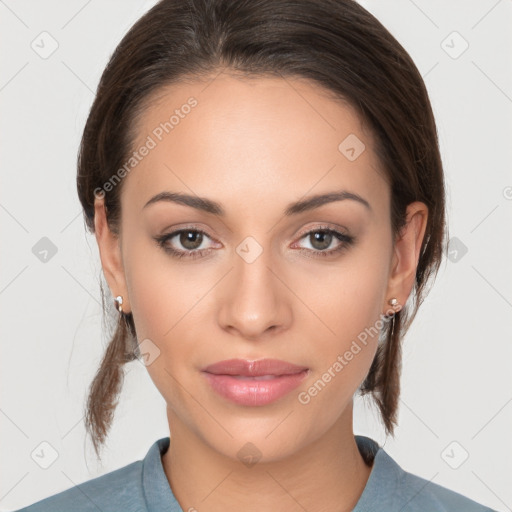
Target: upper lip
{"points": [[256, 368]]}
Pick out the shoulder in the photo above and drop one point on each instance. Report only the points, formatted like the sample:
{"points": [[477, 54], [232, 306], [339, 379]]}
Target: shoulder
{"points": [[118, 490], [420, 494], [391, 488]]}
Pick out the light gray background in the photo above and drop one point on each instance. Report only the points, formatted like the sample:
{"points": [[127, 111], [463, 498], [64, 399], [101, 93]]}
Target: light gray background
{"points": [[456, 377]]}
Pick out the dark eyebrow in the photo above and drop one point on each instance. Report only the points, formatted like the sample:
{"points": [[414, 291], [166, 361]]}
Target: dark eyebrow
{"points": [[320, 199], [209, 206]]}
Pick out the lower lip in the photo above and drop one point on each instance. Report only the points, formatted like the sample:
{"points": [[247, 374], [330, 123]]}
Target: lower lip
{"points": [[254, 392]]}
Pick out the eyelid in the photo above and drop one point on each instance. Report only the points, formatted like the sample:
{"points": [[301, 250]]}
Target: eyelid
{"points": [[324, 226], [174, 230]]}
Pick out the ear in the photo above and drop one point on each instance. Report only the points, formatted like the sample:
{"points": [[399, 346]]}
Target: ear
{"points": [[110, 253], [406, 255]]}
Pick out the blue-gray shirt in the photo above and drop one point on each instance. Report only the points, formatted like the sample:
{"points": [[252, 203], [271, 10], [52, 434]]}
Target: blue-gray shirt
{"points": [[143, 487]]}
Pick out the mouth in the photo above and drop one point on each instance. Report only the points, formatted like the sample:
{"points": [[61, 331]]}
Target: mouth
{"points": [[258, 368], [260, 377], [254, 383]]}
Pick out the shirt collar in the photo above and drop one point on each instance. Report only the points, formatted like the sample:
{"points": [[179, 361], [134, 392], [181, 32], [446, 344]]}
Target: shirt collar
{"points": [[382, 483], [383, 477], [156, 488]]}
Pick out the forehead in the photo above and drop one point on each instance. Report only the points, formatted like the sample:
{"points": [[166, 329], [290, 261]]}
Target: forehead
{"points": [[258, 139]]}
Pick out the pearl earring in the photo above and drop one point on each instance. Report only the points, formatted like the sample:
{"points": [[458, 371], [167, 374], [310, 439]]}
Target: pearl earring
{"points": [[118, 301], [393, 302]]}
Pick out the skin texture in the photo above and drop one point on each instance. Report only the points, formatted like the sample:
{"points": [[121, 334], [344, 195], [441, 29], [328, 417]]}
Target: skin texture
{"points": [[256, 145]]}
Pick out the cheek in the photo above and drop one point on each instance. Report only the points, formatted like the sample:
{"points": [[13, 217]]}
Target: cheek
{"points": [[343, 324], [170, 304], [344, 299], [162, 290], [162, 300]]}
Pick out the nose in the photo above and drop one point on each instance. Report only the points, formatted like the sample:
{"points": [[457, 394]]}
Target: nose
{"points": [[254, 302]]}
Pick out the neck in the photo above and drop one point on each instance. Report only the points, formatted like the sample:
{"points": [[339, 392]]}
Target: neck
{"points": [[325, 476]]}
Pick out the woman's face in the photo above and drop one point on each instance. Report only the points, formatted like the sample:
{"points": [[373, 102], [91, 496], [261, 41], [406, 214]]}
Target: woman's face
{"points": [[263, 280]]}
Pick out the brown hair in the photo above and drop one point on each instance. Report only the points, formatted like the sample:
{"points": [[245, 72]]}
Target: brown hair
{"points": [[334, 43]]}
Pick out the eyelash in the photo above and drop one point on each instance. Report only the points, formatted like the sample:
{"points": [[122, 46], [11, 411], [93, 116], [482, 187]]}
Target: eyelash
{"points": [[346, 240]]}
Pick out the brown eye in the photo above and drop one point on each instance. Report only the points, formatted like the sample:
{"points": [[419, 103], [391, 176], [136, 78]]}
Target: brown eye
{"points": [[191, 239], [325, 241], [320, 240], [186, 243]]}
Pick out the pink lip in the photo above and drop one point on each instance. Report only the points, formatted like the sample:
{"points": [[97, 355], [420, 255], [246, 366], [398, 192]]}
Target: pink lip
{"points": [[254, 382], [253, 368]]}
